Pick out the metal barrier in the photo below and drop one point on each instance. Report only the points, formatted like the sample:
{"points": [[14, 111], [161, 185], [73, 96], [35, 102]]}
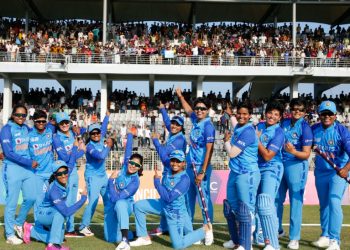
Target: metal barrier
{"points": [[155, 59]]}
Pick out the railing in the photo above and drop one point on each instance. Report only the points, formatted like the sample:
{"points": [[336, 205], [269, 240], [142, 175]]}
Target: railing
{"points": [[155, 59], [151, 159]]}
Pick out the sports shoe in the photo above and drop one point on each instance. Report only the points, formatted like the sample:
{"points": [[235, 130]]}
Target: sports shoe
{"points": [[56, 247], [141, 241], [322, 242], [228, 244], [86, 231], [208, 237], [123, 245], [333, 245], [155, 232], [27, 227], [281, 233], [259, 241], [293, 244], [269, 247], [198, 243], [74, 234], [19, 231], [13, 240]]}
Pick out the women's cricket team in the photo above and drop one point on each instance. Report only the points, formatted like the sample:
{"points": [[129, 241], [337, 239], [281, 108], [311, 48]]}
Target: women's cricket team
{"points": [[265, 162]]}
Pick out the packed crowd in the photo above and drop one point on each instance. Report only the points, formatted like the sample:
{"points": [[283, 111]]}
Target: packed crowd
{"points": [[175, 39], [265, 161]]}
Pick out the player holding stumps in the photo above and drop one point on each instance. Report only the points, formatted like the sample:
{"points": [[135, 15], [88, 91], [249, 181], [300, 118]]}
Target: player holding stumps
{"points": [[334, 139], [243, 180], [295, 155], [202, 137]]}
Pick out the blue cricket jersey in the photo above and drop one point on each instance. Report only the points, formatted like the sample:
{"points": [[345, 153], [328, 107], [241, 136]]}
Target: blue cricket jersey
{"points": [[14, 143], [272, 138], [202, 132], [334, 139], [299, 135], [245, 138]]}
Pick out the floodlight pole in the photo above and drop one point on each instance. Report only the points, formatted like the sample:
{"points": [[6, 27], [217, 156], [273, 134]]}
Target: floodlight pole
{"points": [[294, 24], [104, 22], [7, 100]]}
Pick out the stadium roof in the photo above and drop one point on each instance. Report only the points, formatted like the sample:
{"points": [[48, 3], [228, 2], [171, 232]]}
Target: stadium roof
{"points": [[331, 12]]}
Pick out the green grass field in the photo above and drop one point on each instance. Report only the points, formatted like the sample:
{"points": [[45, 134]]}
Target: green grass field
{"points": [[309, 233]]}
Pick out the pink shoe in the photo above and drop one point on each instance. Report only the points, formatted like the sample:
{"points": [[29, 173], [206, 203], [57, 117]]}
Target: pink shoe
{"points": [[27, 227], [56, 247]]}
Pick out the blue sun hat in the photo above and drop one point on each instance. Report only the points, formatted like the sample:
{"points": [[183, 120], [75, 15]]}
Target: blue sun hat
{"points": [[62, 116], [178, 119], [94, 126], [177, 154], [327, 105], [58, 164]]}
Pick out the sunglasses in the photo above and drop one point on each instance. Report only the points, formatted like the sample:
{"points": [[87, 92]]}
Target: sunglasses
{"points": [[40, 121], [65, 172], [326, 114], [19, 115], [64, 123], [95, 133], [135, 164], [298, 109], [200, 108]]}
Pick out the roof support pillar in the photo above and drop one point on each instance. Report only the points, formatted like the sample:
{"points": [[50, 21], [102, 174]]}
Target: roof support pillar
{"points": [[197, 87], [104, 22], [151, 86], [7, 101], [104, 84], [294, 89], [194, 17], [26, 22]]}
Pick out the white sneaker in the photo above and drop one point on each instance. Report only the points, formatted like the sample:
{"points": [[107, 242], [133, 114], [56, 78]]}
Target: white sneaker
{"points": [[140, 241], [86, 231], [198, 243], [322, 242], [269, 247], [333, 245], [293, 244], [229, 244], [209, 237], [19, 231], [13, 240], [123, 245]]}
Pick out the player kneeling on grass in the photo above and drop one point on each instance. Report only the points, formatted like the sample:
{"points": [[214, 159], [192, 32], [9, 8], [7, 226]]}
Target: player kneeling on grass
{"points": [[51, 214], [121, 188], [172, 190]]}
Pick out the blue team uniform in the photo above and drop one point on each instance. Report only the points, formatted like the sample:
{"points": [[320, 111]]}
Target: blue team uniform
{"points": [[121, 193], [272, 138], [244, 175], [40, 149], [202, 132], [330, 187], [18, 174], [294, 175], [172, 204], [174, 142], [63, 145], [95, 175], [53, 211]]}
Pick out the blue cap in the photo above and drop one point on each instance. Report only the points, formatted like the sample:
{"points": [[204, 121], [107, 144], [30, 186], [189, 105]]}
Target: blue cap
{"points": [[94, 126], [178, 119], [177, 154], [58, 164], [327, 105], [62, 116]]}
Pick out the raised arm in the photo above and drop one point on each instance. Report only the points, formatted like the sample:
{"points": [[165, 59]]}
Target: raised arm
{"points": [[186, 106], [105, 125]]}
